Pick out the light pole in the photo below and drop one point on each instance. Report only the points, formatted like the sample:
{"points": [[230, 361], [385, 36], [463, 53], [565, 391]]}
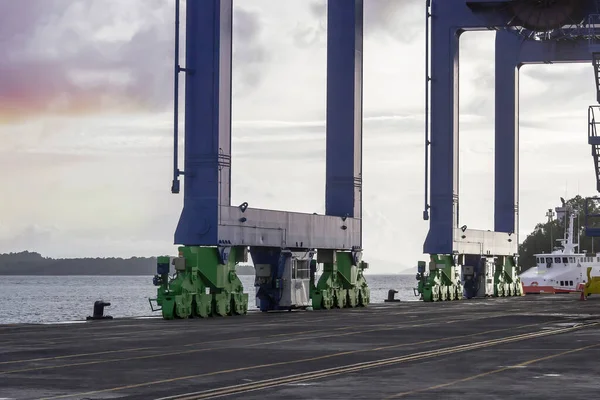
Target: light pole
{"points": [[550, 215]]}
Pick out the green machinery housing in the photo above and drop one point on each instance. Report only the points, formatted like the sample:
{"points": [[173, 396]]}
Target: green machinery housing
{"points": [[481, 277], [342, 283], [205, 283]]}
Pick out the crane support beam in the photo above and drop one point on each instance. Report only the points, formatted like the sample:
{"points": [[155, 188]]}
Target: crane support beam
{"points": [[485, 256], [343, 189], [513, 52], [450, 18], [215, 235], [208, 218]]}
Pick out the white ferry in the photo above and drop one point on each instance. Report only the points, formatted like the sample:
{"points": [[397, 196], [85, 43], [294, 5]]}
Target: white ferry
{"points": [[563, 270]]}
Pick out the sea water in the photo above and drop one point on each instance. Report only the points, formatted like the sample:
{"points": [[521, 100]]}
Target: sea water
{"points": [[45, 299]]}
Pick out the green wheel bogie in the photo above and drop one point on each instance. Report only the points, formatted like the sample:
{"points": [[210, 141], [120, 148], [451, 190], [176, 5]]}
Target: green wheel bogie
{"points": [[204, 285]]}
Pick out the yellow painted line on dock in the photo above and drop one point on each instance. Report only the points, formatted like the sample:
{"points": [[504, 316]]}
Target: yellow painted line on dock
{"points": [[269, 383], [484, 374], [185, 345], [242, 321], [74, 356], [100, 333], [386, 327], [437, 352], [158, 347]]}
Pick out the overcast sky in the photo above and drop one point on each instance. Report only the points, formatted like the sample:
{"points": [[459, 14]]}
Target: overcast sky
{"points": [[86, 125]]}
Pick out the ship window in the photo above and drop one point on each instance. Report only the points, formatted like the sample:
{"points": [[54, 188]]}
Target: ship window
{"points": [[562, 283], [549, 260], [565, 260], [570, 283], [557, 259], [571, 259]]}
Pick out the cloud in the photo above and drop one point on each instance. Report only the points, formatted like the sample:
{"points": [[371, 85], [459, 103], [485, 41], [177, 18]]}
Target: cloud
{"points": [[98, 185], [120, 59], [250, 54], [402, 21], [399, 20], [50, 240], [57, 65], [309, 34], [553, 83]]}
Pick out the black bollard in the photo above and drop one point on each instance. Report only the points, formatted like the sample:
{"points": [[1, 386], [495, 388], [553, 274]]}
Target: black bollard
{"points": [[391, 294], [99, 311]]}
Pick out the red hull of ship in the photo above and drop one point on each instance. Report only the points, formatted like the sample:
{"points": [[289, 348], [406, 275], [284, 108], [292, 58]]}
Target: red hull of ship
{"points": [[549, 290]]}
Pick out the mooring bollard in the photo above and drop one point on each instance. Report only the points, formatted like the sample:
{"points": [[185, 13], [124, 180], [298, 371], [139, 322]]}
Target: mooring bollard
{"points": [[99, 311], [391, 295]]}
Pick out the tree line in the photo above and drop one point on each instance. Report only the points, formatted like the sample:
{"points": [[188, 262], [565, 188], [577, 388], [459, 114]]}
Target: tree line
{"points": [[32, 263], [545, 234], [542, 240]]}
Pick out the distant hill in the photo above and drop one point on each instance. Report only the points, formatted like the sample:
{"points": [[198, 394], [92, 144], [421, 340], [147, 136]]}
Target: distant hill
{"points": [[409, 271], [31, 263]]}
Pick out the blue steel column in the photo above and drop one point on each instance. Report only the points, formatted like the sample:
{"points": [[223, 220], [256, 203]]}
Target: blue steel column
{"points": [[343, 190], [444, 130], [512, 52], [506, 153], [207, 166]]}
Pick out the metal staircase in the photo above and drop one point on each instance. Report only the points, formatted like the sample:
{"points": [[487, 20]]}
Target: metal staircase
{"points": [[593, 35], [592, 227], [596, 64], [594, 140]]}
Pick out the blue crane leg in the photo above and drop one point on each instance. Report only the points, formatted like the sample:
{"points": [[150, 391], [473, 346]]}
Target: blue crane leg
{"points": [[511, 53], [343, 193], [449, 19], [207, 163], [506, 156], [444, 133]]}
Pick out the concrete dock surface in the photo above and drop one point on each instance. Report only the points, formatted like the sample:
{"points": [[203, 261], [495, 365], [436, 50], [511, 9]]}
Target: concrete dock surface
{"points": [[531, 347]]}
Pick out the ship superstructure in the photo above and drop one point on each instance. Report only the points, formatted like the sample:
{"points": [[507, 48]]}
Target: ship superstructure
{"points": [[564, 269]]}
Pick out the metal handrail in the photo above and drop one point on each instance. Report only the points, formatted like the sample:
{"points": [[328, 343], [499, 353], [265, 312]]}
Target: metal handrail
{"points": [[593, 133], [592, 130]]}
